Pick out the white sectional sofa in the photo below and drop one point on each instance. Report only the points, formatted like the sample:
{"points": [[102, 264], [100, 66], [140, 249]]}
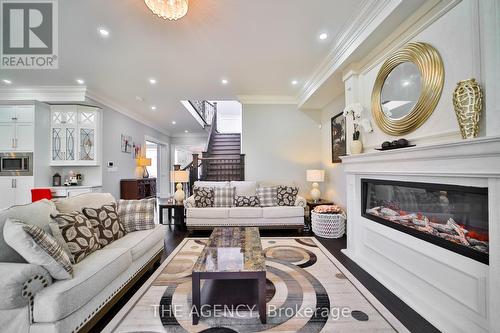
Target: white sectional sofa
{"points": [[279, 217], [32, 302]]}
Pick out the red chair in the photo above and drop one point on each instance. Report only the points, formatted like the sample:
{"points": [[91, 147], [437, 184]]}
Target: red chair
{"points": [[40, 193]]}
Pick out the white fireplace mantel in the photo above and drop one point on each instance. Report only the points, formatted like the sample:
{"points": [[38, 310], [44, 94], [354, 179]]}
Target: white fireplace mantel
{"points": [[453, 292]]}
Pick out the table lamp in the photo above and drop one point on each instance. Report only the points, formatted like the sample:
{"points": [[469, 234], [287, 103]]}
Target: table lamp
{"points": [[315, 176], [179, 176], [144, 162]]}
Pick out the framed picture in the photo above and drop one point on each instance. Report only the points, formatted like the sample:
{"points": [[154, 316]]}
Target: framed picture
{"points": [[126, 143], [137, 150], [338, 138]]}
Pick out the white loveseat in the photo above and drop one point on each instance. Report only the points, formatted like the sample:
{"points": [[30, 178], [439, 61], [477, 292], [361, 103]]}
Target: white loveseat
{"points": [[30, 301], [279, 217]]}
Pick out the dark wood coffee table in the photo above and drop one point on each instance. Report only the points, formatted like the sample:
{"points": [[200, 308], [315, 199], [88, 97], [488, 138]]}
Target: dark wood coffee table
{"points": [[233, 253]]}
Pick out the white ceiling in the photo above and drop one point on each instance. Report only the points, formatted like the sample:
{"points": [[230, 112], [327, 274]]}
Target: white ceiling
{"points": [[258, 45]]}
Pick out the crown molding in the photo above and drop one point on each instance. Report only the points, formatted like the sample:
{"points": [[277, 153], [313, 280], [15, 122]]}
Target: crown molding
{"points": [[120, 109], [44, 93], [367, 19], [267, 99]]}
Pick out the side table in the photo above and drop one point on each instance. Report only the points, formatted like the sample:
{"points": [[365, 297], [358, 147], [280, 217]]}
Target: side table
{"points": [[170, 205], [310, 206]]}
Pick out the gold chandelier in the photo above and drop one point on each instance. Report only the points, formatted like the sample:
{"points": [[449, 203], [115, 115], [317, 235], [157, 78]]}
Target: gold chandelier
{"points": [[168, 9]]}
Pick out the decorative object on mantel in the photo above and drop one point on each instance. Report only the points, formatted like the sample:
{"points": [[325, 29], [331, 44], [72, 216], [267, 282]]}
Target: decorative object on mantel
{"points": [[407, 89], [126, 143], [468, 103], [179, 177], [338, 138], [395, 144], [356, 110], [144, 162], [168, 9], [315, 176]]}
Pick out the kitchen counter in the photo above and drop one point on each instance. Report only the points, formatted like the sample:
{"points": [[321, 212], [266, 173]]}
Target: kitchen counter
{"points": [[70, 191]]}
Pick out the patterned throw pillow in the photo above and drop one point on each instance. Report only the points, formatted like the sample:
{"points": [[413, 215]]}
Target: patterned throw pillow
{"points": [[203, 197], [224, 196], [75, 230], [38, 247], [287, 195], [136, 215], [106, 223], [247, 201], [268, 196]]}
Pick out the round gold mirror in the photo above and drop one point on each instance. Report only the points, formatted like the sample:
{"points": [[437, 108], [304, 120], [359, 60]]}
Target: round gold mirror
{"points": [[407, 88]]}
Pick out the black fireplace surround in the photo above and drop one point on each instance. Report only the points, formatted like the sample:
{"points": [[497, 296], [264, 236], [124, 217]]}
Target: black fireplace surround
{"points": [[449, 216]]}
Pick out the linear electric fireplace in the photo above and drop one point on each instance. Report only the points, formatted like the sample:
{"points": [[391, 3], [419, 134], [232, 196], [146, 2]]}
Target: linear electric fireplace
{"points": [[453, 217]]}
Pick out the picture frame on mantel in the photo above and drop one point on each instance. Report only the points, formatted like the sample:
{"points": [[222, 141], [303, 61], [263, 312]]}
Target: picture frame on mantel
{"points": [[338, 132]]}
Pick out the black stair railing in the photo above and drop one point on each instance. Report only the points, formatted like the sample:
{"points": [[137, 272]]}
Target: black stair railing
{"points": [[205, 110]]}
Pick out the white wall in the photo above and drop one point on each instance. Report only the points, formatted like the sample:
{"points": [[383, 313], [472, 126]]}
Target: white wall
{"points": [[280, 143], [456, 36], [334, 187], [229, 116], [115, 124]]}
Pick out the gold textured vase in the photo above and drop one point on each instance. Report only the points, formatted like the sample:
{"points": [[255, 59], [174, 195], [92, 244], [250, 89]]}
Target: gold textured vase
{"points": [[468, 103]]}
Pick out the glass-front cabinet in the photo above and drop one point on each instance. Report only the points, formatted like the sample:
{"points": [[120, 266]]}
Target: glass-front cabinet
{"points": [[74, 135]]}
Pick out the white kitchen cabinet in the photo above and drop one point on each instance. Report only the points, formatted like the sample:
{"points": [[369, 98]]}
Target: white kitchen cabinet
{"points": [[7, 136], [71, 191], [15, 191], [23, 186], [7, 196], [25, 137], [74, 135], [7, 113], [17, 128]]}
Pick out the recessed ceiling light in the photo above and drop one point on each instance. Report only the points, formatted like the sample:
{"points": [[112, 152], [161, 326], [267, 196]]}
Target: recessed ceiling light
{"points": [[104, 32], [174, 122], [295, 82], [323, 36], [80, 81], [7, 81], [186, 131], [224, 81], [152, 81], [153, 107]]}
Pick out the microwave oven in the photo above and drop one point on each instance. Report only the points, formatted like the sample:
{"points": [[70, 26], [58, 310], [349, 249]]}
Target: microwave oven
{"points": [[16, 164]]}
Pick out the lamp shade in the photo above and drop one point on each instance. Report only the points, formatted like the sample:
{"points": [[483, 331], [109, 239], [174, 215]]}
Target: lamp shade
{"points": [[143, 162], [315, 175], [179, 176]]}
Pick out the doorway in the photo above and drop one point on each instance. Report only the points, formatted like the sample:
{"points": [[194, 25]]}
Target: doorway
{"points": [[158, 153]]}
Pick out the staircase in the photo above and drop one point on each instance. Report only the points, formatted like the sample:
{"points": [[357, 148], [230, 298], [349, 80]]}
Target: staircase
{"points": [[223, 157], [222, 160]]}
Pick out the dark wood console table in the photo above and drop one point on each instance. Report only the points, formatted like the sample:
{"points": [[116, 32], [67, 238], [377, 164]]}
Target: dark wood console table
{"points": [[136, 189]]}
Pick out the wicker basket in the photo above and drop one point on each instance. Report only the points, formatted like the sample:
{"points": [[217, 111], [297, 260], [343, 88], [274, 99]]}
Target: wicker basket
{"points": [[328, 225]]}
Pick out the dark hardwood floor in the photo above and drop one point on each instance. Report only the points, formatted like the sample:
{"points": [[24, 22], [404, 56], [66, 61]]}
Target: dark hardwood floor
{"points": [[408, 317]]}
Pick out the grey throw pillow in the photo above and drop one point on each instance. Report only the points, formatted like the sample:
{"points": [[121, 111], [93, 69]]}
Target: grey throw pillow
{"points": [[136, 215], [106, 223], [39, 248], [224, 196], [203, 197], [268, 196], [246, 201], [287, 195]]}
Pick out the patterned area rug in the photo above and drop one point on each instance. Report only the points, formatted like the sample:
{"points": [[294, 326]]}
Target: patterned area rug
{"points": [[308, 290]]}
